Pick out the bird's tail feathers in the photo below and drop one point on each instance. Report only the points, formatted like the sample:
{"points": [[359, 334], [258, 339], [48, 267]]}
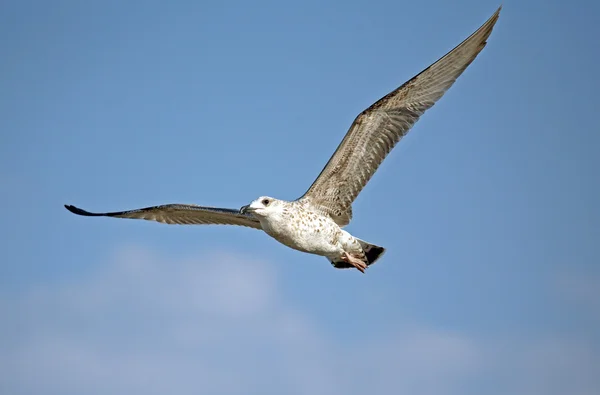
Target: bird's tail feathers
{"points": [[372, 254], [372, 251]]}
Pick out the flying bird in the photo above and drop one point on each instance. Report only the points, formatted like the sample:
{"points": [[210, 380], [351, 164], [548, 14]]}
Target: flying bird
{"points": [[313, 223]]}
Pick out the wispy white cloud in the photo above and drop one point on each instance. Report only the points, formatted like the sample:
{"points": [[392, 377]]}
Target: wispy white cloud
{"points": [[221, 324]]}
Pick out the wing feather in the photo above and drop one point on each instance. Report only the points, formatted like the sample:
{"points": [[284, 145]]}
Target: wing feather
{"points": [[378, 129], [181, 214]]}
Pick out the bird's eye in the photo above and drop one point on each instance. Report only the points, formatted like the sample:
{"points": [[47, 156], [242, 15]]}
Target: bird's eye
{"points": [[266, 202]]}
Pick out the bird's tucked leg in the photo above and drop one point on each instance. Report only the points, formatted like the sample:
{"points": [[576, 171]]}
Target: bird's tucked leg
{"points": [[357, 263]]}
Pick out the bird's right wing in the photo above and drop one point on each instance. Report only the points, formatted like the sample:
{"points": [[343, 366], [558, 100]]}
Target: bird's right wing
{"points": [[182, 214]]}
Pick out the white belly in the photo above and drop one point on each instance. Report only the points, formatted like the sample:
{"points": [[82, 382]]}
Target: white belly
{"points": [[314, 234]]}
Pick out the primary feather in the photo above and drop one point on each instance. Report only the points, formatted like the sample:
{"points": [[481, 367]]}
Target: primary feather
{"points": [[378, 129], [181, 214]]}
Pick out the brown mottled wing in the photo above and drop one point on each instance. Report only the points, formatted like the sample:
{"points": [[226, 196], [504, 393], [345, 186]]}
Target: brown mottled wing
{"points": [[182, 214], [377, 129]]}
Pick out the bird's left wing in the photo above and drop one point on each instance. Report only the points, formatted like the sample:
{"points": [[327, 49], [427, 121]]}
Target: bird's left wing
{"points": [[182, 214], [377, 129]]}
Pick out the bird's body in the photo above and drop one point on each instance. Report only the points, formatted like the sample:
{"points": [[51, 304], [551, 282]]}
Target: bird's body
{"points": [[313, 223], [304, 227], [301, 227]]}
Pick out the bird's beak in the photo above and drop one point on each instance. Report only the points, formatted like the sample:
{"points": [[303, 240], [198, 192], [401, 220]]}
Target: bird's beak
{"points": [[244, 209]]}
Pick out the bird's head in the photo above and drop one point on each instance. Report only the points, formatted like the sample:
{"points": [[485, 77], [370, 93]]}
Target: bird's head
{"points": [[264, 206]]}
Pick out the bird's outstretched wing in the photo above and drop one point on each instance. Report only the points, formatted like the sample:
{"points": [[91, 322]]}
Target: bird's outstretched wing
{"points": [[376, 130], [182, 214]]}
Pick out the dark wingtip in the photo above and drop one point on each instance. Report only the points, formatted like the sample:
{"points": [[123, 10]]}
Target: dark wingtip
{"points": [[78, 211]]}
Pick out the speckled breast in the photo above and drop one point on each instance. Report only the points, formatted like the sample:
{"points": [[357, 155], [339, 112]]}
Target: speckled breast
{"points": [[305, 230]]}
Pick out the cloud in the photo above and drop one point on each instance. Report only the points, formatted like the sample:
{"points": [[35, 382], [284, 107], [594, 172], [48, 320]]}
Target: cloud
{"points": [[557, 366], [147, 324], [221, 324]]}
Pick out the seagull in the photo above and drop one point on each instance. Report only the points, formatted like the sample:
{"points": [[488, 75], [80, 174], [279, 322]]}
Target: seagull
{"points": [[313, 223]]}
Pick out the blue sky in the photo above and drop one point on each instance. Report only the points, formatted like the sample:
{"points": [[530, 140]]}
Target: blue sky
{"points": [[488, 208]]}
